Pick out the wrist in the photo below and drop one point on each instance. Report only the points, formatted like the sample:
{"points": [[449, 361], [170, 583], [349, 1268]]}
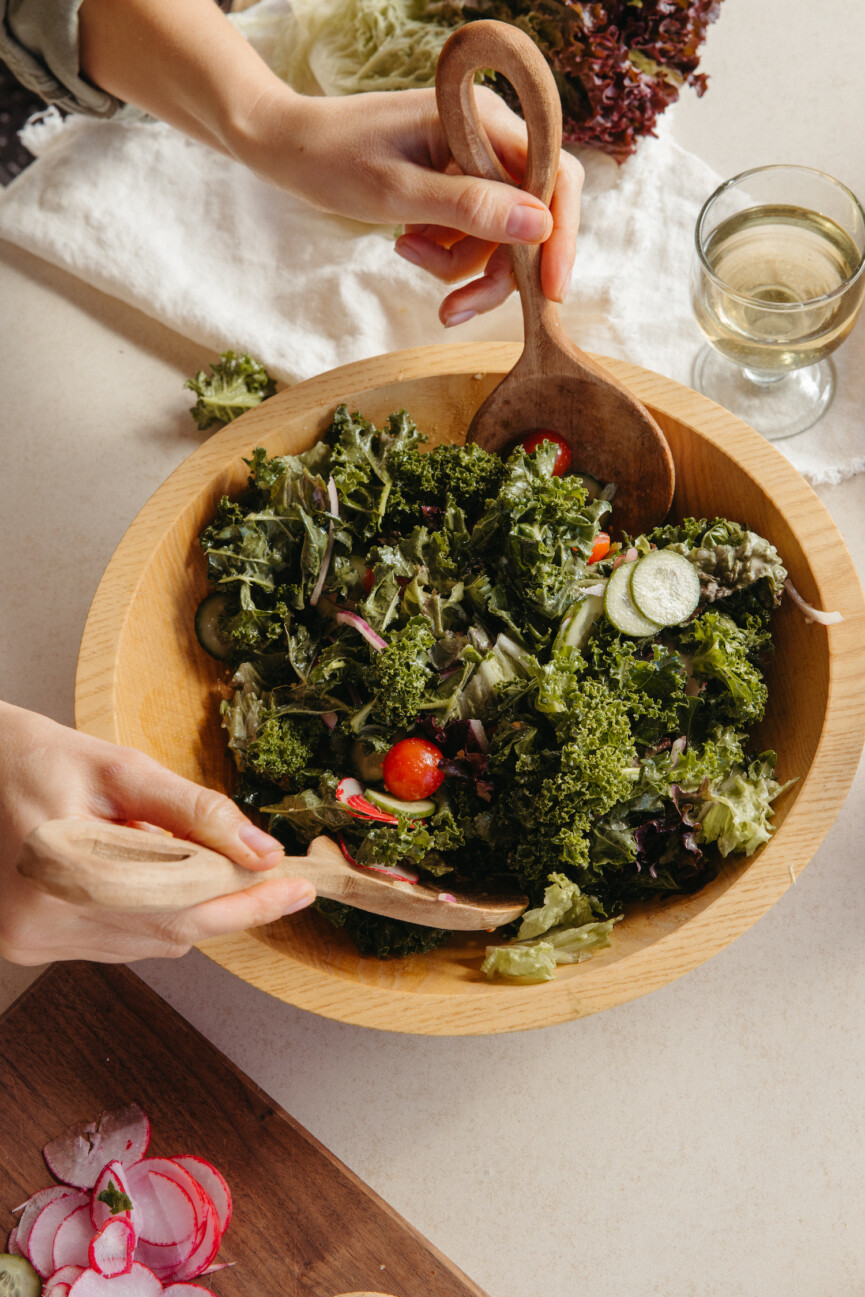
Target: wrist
{"points": [[263, 130]]}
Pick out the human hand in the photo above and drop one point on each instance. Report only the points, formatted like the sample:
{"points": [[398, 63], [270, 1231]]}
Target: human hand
{"points": [[47, 772], [383, 158]]}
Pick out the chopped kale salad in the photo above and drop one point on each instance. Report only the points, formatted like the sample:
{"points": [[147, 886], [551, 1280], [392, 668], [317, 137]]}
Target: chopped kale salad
{"points": [[439, 659]]}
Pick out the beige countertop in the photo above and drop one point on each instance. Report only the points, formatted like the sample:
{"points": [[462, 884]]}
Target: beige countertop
{"points": [[708, 1139]]}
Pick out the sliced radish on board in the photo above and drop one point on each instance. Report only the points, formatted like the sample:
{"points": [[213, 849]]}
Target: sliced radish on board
{"points": [[169, 1167], [109, 1192], [12, 1245], [205, 1253], [181, 1289], [72, 1240], [62, 1278], [40, 1244], [78, 1155], [112, 1250], [140, 1282], [166, 1213], [212, 1183], [33, 1207]]}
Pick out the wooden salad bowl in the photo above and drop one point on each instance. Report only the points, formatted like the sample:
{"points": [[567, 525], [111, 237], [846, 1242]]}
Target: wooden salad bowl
{"points": [[143, 680]]}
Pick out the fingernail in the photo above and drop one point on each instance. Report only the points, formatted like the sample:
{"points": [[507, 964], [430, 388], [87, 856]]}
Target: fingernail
{"points": [[300, 903], [259, 841], [459, 317], [528, 224], [408, 252]]}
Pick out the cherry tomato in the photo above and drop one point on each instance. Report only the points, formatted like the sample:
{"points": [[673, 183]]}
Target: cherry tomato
{"points": [[601, 547], [411, 769], [531, 441]]}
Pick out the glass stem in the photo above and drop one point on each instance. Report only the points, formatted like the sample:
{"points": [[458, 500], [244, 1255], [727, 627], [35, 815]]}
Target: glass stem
{"points": [[762, 379]]}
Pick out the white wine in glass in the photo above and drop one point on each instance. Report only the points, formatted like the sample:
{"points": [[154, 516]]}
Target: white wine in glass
{"points": [[778, 282]]}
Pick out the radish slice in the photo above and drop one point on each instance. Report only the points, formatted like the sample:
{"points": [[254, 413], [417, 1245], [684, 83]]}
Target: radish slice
{"points": [[401, 873], [78, 1155], [811, 614], [112, 1181], [111, 1251], [168, 1167], [140, 1282], [40, 1244], [166, 1213], [72, 1240], [363, 628], [205, 1253], [12, 1245], [219, 1265], [62, 1278], [349, 793], [178, 1289], [325, 562], [213, 1184], [33, 1207]]}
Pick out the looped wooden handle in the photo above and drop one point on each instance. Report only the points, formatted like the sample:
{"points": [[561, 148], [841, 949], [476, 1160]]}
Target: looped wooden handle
{"points": [[498, 46], [506, 49]]}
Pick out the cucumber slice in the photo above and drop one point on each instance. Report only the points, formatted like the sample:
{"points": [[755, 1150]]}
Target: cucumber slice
{"points": [[578, 621], [621, 609], [665, 586], [207, 625], [17, 1277], [414, 810]]}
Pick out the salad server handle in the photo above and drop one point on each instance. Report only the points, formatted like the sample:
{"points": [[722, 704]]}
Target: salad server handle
{"points": [[476, 47], [113, 867]]}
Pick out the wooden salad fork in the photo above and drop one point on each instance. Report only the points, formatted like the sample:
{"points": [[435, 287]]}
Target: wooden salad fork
{"points": [[553, 385], [112, 867]]}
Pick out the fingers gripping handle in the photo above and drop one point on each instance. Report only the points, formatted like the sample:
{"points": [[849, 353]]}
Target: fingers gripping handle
{"points": [[116, 868], [505, 49], [493, 45]]}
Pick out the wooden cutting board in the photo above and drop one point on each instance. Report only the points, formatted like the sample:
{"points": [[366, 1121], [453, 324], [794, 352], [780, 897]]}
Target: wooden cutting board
{"points": [[86, 1037]]}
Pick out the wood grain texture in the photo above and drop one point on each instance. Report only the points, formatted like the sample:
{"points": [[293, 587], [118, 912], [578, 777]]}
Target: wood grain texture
{"points": [[143, 680], [85, 1038], [553, 383]]}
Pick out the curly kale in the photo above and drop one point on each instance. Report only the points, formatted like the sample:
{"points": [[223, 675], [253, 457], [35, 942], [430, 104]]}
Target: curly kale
{"points": [[433, 481], [723, 653], [384, 938], [234, 385], [400, 673], [569, 749], [282, 751]]}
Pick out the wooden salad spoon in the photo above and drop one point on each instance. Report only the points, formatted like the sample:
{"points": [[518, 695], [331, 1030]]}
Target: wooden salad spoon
{"points": [[112, 867], [553, 385]]}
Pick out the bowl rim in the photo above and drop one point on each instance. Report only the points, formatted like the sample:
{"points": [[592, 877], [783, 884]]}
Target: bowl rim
{"points": [[483, 1007]]}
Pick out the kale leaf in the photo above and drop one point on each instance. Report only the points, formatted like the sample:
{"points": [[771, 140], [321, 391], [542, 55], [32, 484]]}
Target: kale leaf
{"points": [[234, 385]]}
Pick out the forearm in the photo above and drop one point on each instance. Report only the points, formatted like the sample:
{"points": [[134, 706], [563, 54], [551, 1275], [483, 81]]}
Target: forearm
{"points": [[181, 61]]}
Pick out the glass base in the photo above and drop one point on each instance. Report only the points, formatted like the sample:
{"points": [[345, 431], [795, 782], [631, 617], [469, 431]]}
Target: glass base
{"points": [[775, 407]]}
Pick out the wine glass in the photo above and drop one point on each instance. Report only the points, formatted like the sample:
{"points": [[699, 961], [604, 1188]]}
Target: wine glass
{"points": [[777, 282]]}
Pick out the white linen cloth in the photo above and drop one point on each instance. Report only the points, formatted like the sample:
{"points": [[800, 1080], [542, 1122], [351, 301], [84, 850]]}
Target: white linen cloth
{"points": [[193, 239]]}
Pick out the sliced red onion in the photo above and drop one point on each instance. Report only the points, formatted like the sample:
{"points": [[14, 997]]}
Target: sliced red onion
{"points": [[676, 749], [330, 719], [325, 562], [631, 555], [451, 670], [363, 628], [811, 614], [399, 872], [477, 728]]}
